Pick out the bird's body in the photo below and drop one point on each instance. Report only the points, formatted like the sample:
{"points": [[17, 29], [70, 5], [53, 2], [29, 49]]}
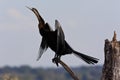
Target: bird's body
{"points": [[55, 40], [51, 39]]}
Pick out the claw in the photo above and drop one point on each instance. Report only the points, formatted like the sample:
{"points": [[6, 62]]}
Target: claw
{"points": [[56, 60]]}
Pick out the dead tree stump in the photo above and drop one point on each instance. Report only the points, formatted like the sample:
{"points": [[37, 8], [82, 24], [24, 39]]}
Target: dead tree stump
{"points": [[111, 68]]}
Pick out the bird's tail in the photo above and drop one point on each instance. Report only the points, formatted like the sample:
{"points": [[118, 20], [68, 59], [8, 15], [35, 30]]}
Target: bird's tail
{"points": [[86, 58]]}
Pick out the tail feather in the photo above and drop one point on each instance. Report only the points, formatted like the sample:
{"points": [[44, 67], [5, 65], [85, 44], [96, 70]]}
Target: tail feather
{"points": [[86, 58]]}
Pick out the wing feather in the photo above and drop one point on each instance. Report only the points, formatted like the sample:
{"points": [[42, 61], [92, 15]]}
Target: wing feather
{"points": [[43, 48], [60, 36]]}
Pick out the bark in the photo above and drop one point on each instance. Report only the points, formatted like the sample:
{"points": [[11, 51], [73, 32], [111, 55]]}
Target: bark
{"points": [[111, 67], [68, 70]]}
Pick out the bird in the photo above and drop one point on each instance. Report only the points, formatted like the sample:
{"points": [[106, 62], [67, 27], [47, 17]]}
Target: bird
{"points": [[55, 40]]}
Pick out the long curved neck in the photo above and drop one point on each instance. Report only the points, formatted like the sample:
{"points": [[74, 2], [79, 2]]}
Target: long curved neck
{"points": [[40, 19]]}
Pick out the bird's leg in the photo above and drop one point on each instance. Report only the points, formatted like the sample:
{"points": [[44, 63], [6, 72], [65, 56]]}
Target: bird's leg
{"points": [[56, 59], [53, 60]]}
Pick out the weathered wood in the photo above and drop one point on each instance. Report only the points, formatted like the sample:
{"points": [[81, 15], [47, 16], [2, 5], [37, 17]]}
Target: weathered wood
{"points": [[111, 68], [68, 70]]}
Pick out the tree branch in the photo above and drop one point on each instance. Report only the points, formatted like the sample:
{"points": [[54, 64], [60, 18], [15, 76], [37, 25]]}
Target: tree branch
{"points": [[68, 70]]}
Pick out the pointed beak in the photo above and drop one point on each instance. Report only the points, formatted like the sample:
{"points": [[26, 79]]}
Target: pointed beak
{"points": [[29, 8]]}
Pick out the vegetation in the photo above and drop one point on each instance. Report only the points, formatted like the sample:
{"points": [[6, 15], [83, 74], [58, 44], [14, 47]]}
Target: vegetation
{"points": [[28, 73]]}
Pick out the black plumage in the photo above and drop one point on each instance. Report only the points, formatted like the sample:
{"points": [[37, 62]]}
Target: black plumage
{"points": [[55, 39]]}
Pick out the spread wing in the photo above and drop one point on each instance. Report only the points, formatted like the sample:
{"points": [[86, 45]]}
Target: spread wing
{"points": [[43, 48], [60, 36]]}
